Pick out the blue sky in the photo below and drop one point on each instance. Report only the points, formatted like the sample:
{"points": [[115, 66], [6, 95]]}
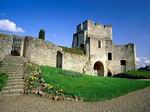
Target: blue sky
{"points": [[130, 19]]}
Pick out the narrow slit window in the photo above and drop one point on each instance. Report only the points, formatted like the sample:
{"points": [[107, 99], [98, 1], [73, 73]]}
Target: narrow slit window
{"points": [[109, 56], [99, 44]]}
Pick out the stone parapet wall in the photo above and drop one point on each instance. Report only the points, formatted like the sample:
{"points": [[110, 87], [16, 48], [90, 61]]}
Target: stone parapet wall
{"points": [[5, 45], [74, 62], [121, 52], [40, 52]]}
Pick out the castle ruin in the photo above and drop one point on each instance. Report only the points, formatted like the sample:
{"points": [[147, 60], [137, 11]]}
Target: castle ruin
{"points": [[101, 56]]}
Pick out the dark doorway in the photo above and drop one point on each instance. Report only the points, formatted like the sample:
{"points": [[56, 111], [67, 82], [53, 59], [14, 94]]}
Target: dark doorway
{"points": [[16, 46], [15, 53], [109, 56], [99, 68], [59, 59], [123, 65]]}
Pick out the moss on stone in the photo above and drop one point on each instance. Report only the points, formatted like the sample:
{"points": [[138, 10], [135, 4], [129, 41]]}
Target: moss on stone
{"points": [[72, 50]]}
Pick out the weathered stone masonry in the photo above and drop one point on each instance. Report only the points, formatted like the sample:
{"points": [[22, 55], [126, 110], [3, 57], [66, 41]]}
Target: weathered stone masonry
{"points": [[102, 56]]}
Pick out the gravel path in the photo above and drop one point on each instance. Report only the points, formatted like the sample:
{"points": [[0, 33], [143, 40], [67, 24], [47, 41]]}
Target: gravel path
{"points": [[138, 101]]}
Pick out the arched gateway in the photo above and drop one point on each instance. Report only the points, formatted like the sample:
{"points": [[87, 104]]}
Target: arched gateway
{"points": [[98, 68]]}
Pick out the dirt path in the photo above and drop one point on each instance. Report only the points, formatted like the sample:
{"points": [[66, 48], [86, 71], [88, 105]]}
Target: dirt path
{"points": [[138, 101]]}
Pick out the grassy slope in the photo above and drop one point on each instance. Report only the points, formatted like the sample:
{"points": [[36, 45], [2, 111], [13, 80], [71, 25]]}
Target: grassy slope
{"points": [[3, 79], [89, 87]]}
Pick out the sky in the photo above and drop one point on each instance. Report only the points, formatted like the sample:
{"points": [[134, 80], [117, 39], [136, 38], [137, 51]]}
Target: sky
{"points": [[130, 20]]}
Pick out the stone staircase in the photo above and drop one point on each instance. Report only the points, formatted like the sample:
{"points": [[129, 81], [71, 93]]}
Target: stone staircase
{"points": [[14, 67]]}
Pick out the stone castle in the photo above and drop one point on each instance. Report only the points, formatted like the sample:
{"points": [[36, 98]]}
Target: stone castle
{"points": [[100, 55]]}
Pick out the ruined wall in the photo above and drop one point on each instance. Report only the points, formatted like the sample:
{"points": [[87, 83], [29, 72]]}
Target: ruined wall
{"points": [[79, 38], [121, 52], [74, 62], [40, 52], [5, 45], [45, 53]]}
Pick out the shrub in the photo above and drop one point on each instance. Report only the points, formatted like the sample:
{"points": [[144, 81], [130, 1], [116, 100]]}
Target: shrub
{"points": [[3, 79], [42, 34], [134, 74], [138, 73]]}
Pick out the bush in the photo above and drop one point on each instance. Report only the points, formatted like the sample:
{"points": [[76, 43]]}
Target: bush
{"points": [[42, 34], [139, 74], [135, 74]]}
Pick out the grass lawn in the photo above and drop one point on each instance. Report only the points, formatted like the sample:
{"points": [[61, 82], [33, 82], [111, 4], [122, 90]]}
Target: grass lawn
{"points": [[3, 79], [91, 88]]}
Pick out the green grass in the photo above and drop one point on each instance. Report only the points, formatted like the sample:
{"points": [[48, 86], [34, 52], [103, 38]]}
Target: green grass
{"points": [[91, 88], [138, 73], [72, 50], [3, 79]]}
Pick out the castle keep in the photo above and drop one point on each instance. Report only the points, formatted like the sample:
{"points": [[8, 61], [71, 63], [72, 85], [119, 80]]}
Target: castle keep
{"points": [[101, 56]]}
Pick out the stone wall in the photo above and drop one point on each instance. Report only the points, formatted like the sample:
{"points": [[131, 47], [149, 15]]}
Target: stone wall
{"points": [[5, 45], [74, 62], [91, 29], [45, 53], [121, 52], [40, 52]]}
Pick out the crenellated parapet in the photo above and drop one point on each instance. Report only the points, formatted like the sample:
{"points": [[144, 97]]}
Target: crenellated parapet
{"points": [[95, 29]]}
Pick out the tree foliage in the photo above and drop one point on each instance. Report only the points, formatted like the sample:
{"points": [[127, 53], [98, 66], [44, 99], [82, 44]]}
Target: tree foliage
{"points": [[42, 34]]}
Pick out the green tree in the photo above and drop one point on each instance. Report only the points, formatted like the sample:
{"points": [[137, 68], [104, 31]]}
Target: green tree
{"points": [[42, 34]]}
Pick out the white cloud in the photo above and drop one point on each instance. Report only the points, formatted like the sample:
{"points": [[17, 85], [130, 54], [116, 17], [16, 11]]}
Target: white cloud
{"points": [[6, 25], [142, 61], [145, 58], [137, 59], [147, 61]]}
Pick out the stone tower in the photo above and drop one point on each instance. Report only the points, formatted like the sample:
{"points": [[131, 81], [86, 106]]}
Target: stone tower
{"points": [[105, 57]]}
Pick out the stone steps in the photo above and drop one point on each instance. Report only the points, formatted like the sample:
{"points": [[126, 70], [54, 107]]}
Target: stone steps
{"points": [[13, 66], [13, 87], [13, 91], [15, 77], [13, 72], [14, 94], [14, 83], [15, 80]]}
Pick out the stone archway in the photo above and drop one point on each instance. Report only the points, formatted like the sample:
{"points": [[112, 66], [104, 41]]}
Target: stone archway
{"points": [[98, 68]]}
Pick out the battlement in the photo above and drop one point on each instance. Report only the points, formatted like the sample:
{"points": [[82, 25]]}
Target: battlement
{"points": [[88, 24], [97, 29]]}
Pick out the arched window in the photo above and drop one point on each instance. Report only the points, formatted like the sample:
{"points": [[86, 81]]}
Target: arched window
{"points": [[109, 56], [122, 62]]}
